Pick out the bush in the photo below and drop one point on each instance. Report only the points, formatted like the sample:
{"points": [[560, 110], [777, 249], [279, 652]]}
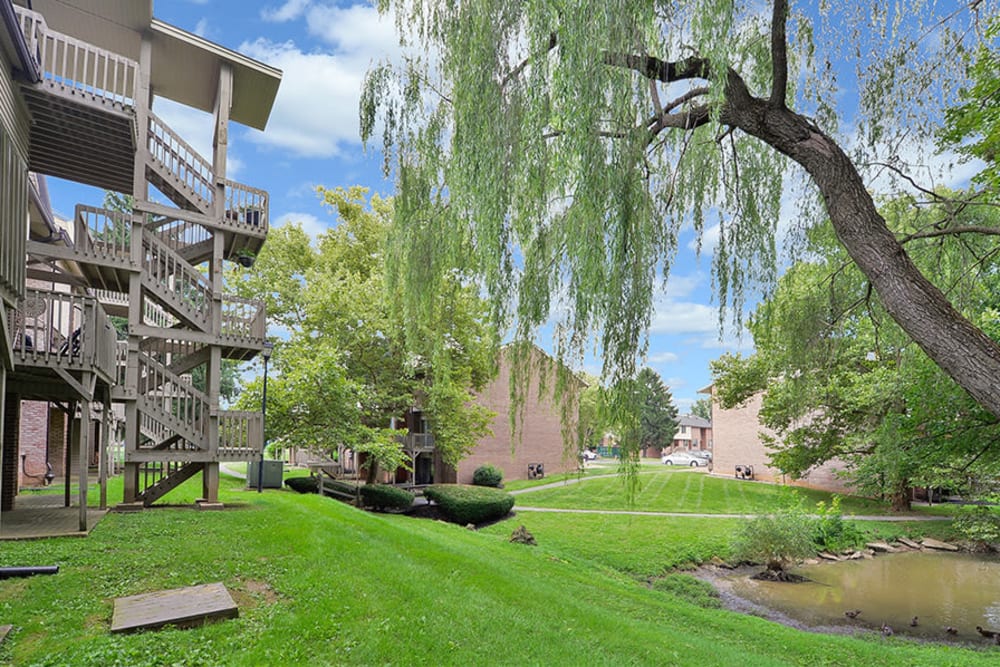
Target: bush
{"points": [[470, 504], [775, 540], [487, 475], [831, 533], [303, 484], [691, 589], [382, 497], [979, 524]]}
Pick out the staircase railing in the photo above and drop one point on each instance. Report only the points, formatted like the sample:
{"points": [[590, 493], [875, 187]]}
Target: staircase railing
{"points": [[180, 234], [243, 318], [174, 402], [189, 288], [72, 64], [187, 166], [241, 434]]}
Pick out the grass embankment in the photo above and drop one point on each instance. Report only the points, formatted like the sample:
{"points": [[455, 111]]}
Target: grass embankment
{"points": [[319, 582]]}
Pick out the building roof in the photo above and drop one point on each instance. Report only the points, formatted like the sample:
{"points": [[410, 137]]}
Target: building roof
{"points": [[185, 67], [693, 421]]}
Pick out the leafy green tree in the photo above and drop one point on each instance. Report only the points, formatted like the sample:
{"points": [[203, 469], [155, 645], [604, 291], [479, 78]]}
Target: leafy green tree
{"points": [[657, 412], [350, 362], [702, 408], [842, 381], [557, 150]]}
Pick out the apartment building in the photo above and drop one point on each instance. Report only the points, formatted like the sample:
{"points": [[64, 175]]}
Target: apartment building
{"points": [[123, 306]]}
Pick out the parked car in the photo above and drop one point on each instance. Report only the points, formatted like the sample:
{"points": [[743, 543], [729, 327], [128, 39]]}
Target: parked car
{"points": [[588, 455], [703, 454], [683, 459]]}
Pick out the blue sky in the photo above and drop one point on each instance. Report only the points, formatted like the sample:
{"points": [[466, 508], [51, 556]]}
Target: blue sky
{"points": [[324, 48]]}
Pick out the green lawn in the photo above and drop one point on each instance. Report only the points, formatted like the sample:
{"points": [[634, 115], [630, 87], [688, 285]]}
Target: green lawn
{"points": [[322, 583], [671, 489]]}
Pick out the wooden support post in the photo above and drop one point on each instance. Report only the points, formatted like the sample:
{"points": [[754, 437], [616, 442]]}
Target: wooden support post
{"points": [[102, 465], [3, 410], [72, 436], [210, 482], [86, 430]]}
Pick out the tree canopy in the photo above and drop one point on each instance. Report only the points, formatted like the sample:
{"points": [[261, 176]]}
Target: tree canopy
{"points": [[657, 412], [556, 150], [843, 381], [346, 367]]}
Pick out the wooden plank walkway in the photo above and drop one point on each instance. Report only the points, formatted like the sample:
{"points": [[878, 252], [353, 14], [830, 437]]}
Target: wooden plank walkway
{"points": [[184, 607], [4, 631]]}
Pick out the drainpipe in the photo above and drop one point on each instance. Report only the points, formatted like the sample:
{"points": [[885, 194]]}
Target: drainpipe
{"points": [[28, 67]]}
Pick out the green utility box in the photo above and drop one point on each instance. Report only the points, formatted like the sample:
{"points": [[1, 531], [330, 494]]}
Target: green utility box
{"points": [[273, 472]]}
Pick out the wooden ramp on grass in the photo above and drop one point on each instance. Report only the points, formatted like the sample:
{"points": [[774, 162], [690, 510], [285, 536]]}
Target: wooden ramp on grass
{"points": [[181, 606], [4, 630]]}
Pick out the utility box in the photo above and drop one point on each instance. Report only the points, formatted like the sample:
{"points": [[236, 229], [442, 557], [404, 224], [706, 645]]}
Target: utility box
{"points": [[273, 473]]}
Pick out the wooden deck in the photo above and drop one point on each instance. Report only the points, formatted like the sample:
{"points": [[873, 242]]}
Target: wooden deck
{"points": [[181, 606], [37, 516]]}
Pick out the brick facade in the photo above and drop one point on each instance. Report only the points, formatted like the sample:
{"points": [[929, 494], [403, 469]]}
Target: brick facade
{"points": [[8, 459], [737, 442], [540, 432]]}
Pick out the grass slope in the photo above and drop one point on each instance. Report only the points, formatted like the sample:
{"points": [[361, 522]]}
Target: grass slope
{"points": [[321, 583]]}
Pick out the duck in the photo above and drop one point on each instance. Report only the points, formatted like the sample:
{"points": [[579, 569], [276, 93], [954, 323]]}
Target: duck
{"points": [[989, 634], [852, 613], [951, 631], [913, 623], [886, 630]]}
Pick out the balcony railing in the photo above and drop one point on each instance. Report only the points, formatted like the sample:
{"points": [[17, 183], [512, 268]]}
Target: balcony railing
{"points": [[246, 208], [77, 66], [241, 435], [102, 233], [243, 318], [58, 329], [417, 442], [13, 209]]}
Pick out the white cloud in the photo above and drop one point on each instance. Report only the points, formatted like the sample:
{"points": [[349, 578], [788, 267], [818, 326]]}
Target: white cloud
{"points": [[662, 358], [291, 10], [675, 383], [684, 317], [357, 33], [310, 224], [201, 27]]}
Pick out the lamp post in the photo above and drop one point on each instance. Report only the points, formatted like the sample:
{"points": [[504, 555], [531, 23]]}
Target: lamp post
{"points": [[266, 354]]}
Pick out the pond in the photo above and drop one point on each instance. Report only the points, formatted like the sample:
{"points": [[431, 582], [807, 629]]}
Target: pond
{"points": [[942, 590]]}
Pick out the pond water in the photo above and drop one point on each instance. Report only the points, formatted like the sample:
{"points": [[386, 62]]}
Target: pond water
{"points": [[959, 590]]}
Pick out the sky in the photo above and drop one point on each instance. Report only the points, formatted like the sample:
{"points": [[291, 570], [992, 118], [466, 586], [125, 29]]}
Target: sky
{"points": [[324, 48]]}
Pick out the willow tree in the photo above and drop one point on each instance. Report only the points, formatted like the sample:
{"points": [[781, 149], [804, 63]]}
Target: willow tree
{"points": [[555, 151]]}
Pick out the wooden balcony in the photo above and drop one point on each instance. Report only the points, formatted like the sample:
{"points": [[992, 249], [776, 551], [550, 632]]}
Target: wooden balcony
{"points": [[83, 125], [417, 443], [241, 435], [57, 337]]}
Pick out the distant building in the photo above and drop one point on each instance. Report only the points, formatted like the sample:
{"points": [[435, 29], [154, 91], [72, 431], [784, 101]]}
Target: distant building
{"points": [[693, 433], [540, 439], [740, 451]]}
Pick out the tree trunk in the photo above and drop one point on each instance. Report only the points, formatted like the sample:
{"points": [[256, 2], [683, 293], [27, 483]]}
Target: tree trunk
{"points": [[901, 499], [960, 349]]}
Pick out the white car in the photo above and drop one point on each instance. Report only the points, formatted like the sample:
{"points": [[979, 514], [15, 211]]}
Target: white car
{"points": [[683, 459]]}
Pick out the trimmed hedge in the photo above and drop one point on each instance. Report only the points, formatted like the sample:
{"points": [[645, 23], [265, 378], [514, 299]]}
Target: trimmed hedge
{"points": [[463, 504], [303, 484], [487, 475], [384, 497]]}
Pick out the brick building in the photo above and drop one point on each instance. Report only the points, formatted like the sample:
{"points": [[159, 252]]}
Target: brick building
{"points": [[738, 443], [540, 436]]}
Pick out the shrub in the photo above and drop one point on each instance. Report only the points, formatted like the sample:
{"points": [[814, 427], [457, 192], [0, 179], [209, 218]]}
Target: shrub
{"points": [[303, 484], [831, 533], [382, 497], [470, 504], [487, 475], [979, 524], [775, 540], [691, 589]]}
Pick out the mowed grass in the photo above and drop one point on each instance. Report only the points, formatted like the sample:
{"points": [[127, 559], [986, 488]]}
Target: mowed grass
{"points": [[321, 583], [688, 491]]}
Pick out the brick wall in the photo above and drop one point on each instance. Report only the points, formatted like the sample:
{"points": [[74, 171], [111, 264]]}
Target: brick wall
{"points": [[540, 435], [33, 433], [737, 441]]}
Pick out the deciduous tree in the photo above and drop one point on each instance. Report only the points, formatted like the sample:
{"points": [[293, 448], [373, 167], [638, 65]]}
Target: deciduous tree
{"points": [[556, 150]]}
